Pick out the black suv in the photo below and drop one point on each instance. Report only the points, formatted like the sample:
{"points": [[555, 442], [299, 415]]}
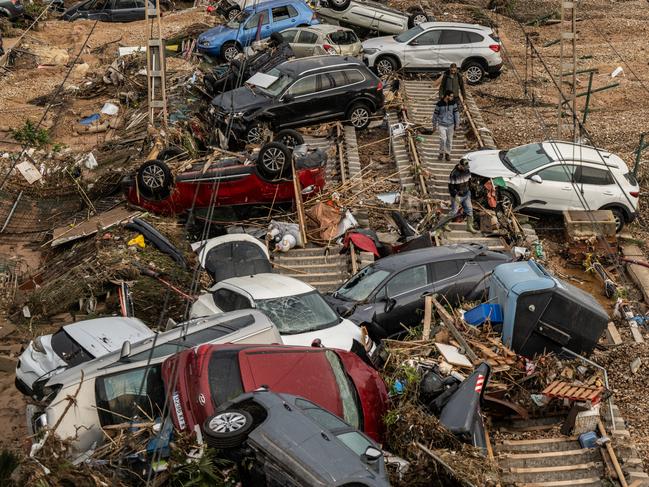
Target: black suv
{"points": [[297, 93]]}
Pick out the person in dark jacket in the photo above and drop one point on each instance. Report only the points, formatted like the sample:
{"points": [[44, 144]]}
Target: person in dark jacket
{"points": [[446, 117], [452, 81], [459, 190]]}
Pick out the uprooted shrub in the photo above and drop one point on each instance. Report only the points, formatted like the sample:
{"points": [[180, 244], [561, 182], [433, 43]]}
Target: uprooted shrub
{"points": [[31, 135]]}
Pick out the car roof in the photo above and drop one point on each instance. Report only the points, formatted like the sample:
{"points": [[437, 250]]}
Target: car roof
{"points": [[570, 151], [295, 67], [457, 25], [429, 254], [101, 335], [268, 286], [271, 3]]}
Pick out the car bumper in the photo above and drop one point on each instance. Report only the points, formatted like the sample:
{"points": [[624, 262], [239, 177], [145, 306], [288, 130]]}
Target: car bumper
{"points": [[212, 51], [495, 69]]}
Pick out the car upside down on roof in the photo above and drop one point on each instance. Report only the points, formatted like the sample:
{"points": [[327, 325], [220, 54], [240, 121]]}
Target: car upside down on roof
{"points": [[257, 178]]}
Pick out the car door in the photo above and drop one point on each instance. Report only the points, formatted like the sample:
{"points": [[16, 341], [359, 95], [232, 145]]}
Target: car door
{"points": [[289, 35], [127, 10], [596, 186], [294, 106], [453, 47], [423, 51], [457, 279], [401, 298], [257, 23], [96, 10], [305, 43], [283, 17], [555, 189]]}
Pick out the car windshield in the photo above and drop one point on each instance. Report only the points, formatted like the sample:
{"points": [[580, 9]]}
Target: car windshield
{"points": [[69, 350], [283, 80], [299, 314], [409, 34], [348, 394], [526, 158], [359, 287]]}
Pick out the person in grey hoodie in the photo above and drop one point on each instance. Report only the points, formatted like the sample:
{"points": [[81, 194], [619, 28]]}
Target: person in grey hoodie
{"points": [[446, 117]]}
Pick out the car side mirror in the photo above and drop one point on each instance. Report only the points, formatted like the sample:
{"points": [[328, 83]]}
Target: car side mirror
{"points": [[371, 455], [536, 178], [288, 98], [389, 304], [126, 350]]}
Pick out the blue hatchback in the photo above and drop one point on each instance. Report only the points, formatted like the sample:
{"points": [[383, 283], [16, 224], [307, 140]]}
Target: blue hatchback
{"points": [[227, 40]]}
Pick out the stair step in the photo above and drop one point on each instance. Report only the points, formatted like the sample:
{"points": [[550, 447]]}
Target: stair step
{"points": [[539, 445]]}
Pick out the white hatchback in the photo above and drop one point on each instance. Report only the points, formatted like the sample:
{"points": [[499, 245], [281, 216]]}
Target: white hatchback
{"points": [[555, 176], [298, 310]]}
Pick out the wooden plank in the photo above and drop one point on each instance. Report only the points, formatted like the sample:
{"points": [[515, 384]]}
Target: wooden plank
{"points": [[449, 321], [555, 468], [539, 441], [428, 317], [612, 335], [564, 483], [547, 454], [611, 453]]}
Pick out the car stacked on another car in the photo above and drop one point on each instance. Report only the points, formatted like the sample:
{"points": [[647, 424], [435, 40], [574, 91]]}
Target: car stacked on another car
{"points": [[434, 46], [257, 21], [553, 176], [323, 39], [298, 93]]}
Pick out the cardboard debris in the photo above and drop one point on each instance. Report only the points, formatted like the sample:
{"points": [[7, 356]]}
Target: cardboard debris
{"points": [[452, 355]]}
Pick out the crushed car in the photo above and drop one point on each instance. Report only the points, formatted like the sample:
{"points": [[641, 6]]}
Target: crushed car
{"points": [[298, 93], [128, 383], [386, 295], [553, 176], [287, 440], [201, 380], [253, 178], [322, 39], [72, 345], [109, 10]]}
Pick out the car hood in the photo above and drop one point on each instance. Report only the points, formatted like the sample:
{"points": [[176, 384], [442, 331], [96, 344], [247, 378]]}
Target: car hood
{"points": [[100, 336], [240, 100], [34, 365], [487, 163], [214, 32], [341, 336], [381, 43]]}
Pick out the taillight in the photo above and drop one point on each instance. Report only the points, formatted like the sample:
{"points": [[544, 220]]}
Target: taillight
{"points": [[379, 87], [495, 47], [329, 49], [635, 194]]}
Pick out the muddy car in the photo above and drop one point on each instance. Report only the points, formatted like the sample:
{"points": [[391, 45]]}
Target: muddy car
{"points": [[287, 440], [256, 178], [200, 381], [387, 295]]}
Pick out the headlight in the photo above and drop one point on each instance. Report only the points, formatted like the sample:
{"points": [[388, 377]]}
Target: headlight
{"points": [[203, 42], [369, 50], [238, 114], [38, 345], [40, 423]]}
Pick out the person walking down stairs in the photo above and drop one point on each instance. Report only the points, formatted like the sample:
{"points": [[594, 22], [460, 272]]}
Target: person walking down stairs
{"points": [[446, 117], [458, 188]]}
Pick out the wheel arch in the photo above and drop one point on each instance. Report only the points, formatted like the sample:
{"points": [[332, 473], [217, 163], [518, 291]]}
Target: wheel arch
{"points": [[390, 55], [483, 62], [621, 207]]}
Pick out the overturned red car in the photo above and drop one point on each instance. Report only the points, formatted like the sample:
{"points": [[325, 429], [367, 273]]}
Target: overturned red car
{"points": [[254, 179], [201, 379]]}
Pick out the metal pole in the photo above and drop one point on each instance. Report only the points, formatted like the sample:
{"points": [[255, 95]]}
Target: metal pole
{"points": [[641, 147], [590, 86]]}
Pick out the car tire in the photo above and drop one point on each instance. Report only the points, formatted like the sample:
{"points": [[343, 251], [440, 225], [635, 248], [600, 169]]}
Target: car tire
{"points": [[620, 218], [274, 160], [339, 4], [416, 17], [385, 65], [230, 50], [256, 134], [233, 12], [507, 199], [154, 180], [359, 116], [289, 138], [474, 72], [228, 429]]}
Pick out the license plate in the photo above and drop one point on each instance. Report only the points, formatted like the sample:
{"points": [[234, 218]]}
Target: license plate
{"points": [[179, 411]]}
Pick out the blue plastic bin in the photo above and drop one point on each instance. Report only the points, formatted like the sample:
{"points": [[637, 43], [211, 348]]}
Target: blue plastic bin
{"points": [[588, 440], [483, 312]]}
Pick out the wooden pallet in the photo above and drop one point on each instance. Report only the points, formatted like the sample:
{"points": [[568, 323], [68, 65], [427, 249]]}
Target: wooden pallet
{"points": [[566, 390]]}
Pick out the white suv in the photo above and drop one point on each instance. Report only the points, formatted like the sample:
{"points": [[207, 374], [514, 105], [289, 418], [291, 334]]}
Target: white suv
{"points": [[434, 46], [555, 176]]}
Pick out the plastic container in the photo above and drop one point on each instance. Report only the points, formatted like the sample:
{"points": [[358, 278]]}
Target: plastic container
{"points": [[483, 312], [588, 440]]}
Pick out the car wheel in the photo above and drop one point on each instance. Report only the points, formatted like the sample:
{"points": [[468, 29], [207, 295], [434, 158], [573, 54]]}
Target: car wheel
{"points": [[273, 160], [154, 180], [507, 199], [233, 13], [359, 116], [256, 134], [417, 17], [230, 50], [385, 66], [228, 429], [474, 72], [620, 218], [290, 138], [339, 4]]}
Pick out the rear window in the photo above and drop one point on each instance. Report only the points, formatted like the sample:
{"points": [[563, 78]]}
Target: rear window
{"points": [[69, 350], [472, 37], [592, 175], [225, 376], [227, 300], [343, 37], [494, 37]]}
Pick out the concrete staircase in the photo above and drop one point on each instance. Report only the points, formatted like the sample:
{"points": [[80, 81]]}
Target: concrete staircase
{"points": [[324, 269]]}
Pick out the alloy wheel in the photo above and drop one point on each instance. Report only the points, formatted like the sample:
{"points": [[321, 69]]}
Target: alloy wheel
{"points": [[227, 422], [419, 19], [255, 135], [474, 74], [153, 176], [289, 141], [384, 67], [359, 117], [233, 14], [273, 159], [230, 53]]}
